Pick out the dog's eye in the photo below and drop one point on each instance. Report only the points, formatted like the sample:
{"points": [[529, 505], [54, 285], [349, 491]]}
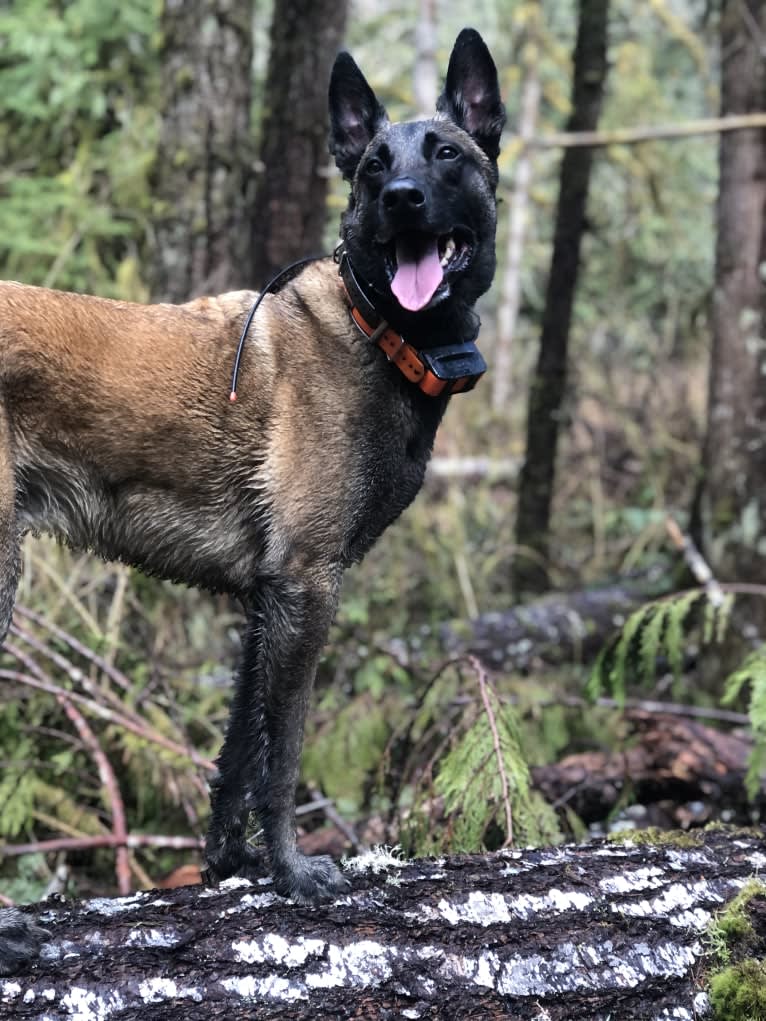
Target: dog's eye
{"points": [[447, 152], [373, 167]]}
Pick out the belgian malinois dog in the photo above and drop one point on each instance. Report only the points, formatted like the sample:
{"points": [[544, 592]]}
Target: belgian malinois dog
{"points": [[117, 433]]}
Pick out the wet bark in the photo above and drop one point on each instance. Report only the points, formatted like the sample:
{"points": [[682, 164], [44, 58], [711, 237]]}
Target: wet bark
{"points": [[731, 510], [203, 172], [591, 931], [549, 380], [289, 215]]}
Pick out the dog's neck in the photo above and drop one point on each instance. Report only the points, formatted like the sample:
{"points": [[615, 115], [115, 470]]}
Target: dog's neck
{"points": [[442, 363]]}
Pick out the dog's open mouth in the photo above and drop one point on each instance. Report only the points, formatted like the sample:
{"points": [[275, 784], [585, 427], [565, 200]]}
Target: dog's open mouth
{"points": [[419, 263]]}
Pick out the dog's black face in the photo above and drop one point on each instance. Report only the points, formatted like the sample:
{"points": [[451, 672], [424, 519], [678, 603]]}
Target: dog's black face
{"points": [[420, 224]]}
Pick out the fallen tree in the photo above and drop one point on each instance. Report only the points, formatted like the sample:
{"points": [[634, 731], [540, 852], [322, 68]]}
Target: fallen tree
{"points": [[560, 628], [667, 759], [591, 931]]}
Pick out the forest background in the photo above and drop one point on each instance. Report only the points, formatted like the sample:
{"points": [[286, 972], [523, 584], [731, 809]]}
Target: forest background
{"points": [[151, 151]]}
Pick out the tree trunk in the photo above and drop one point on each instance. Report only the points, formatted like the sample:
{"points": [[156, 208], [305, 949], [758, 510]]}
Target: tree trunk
{"points": [[598, 930], [549, 380], [732, 500], [203, 169], [289, 215], [510, 282]]}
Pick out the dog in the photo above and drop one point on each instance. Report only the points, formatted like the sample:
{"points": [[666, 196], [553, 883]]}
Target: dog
{"points": [[116, 434]]}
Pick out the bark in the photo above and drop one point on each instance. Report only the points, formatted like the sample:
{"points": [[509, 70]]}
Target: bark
{"points": [[289, 213], [203, 174], [668, 760], [549, 380], [563, 628], [591, 931], [732, 501]]}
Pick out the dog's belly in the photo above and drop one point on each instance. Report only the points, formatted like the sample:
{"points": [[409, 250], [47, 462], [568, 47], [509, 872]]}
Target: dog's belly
{"points": [[176, 536]]}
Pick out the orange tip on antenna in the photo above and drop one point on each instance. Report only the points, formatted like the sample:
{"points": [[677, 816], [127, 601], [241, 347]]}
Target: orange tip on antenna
{"points": [[233, 396]]}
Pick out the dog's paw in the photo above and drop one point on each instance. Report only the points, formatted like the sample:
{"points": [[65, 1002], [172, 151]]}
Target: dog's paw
{"points": [[20, 941], [310, 880], [244, 860]]}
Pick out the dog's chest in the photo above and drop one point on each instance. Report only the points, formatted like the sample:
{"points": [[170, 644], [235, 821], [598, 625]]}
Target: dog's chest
{"points": [[388, 468]]}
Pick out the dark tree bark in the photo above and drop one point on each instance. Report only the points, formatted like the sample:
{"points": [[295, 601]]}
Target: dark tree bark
{"points": [[549, 381], [204, 162], [289, 214], [603, 929], [731, 507]]}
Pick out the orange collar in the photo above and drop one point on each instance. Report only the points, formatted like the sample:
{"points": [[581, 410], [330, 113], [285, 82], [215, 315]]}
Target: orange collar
{"points": [[455, 368]]}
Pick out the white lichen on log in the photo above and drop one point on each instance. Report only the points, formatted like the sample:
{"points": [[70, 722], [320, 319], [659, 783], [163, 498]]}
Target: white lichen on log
{"points": [[574, 931]]}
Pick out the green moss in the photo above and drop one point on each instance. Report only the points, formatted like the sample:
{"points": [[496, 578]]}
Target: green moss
{"points": [[732, 928], [739, 993], [657, 837]]}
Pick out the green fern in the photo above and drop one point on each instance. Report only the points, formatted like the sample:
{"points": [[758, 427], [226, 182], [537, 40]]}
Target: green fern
{"points": [[657, 629], [752, 672]]}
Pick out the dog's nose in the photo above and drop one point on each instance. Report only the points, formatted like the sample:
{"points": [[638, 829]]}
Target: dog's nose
{"points": [[402, 195]]}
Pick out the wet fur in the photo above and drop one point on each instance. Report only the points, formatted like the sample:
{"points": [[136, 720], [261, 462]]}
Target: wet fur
{"points": [[117, 436]]}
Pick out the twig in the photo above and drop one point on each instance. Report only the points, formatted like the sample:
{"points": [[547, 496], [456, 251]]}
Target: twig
{"points": [[130, 840], [696, 563], [145, 732], [111, 671], [328, 807], [631, 136], [647, 705], [481, 676], [112, 789]]}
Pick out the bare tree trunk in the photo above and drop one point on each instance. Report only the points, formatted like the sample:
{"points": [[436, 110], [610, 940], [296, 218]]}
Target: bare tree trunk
{"points": [[732, 499], [425, 77], [203, 169], [549, 381], [510, 284], [289, 215], [589, 932]]}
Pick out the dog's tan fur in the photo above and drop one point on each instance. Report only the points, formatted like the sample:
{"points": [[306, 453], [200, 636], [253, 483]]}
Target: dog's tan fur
{"points": [[129, 405]]}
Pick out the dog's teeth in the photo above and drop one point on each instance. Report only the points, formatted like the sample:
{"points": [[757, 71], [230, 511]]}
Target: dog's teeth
{"points": [[449, 251]]}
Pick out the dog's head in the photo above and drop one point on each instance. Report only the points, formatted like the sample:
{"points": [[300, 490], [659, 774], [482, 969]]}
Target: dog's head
{"points": [[420, 224]]}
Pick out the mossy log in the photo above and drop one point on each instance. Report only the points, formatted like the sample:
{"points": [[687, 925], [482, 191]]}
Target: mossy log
{"points": [[601, 930]]}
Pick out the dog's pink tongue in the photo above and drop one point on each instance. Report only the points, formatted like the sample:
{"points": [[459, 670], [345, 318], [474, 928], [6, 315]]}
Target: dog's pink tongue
{"points": [[418, 272]]}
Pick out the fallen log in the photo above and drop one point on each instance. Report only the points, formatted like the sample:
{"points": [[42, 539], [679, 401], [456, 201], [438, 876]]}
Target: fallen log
{"points": [[590, 931], [561, 628], [668, 759]]}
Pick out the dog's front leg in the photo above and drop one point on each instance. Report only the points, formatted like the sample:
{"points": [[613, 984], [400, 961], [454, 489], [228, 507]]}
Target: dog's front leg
{"points": [[260, 760]]}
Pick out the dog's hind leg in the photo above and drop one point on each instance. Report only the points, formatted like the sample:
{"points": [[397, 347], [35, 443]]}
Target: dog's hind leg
{"points": [[260, 760]]}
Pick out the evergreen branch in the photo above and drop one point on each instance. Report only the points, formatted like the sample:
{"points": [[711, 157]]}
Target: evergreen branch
{"points": [[481, 677]]}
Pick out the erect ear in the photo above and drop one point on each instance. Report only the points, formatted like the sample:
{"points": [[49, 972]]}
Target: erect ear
{"points": [[355, 114], [471, 96]]}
